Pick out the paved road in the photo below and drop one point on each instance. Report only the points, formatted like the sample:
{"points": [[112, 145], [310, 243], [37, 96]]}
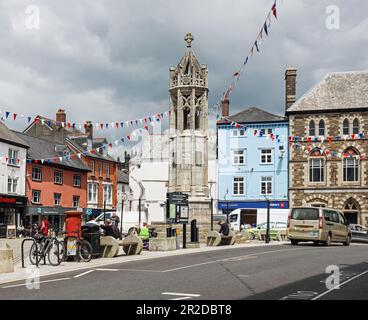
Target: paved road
{"points": [[277, 272]]}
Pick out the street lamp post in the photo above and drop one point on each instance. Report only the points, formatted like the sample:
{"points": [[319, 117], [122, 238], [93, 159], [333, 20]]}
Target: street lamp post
{"points": [[267, 238], [211, 184], [104, 203], [227, 205], [123, 198]]}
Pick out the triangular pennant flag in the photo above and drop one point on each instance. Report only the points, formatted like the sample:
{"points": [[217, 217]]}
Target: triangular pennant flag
{"points": [[274, 11], [265, 28], [7, 113], [14, 116], [29, 119], [117, 124], [256, 44], [101, 125]]}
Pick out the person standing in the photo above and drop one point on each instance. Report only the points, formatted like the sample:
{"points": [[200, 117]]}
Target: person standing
{"points": [[115, 219], [45, 225]]}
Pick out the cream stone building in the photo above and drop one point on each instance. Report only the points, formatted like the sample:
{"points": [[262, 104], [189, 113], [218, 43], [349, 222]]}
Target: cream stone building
{"points": [[329, 144]]}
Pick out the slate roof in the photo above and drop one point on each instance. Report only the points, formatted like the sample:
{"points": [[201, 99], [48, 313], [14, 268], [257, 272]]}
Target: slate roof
{"points": [[255, 115], [337, 91], [10, 137], [44, 149]]}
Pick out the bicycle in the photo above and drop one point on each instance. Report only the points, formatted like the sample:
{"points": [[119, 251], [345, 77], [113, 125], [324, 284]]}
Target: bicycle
{"points": [[46, 246], [83, 249]]}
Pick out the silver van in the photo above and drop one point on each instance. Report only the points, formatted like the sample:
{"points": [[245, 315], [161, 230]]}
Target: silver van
{"points": [[320, 225]]}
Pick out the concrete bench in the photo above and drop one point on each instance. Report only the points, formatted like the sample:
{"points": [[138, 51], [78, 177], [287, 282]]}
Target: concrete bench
{"points": [[110, 247], [214, 239], [132, 245]]}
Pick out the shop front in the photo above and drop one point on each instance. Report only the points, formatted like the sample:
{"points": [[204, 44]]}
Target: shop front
{"points": [[12, 209], [55, 215]]}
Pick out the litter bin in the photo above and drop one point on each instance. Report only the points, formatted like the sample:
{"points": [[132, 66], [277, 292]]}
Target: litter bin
{"points": [[91, 233]]}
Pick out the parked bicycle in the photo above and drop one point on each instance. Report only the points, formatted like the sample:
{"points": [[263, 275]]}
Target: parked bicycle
{"points": [[77, 247], [49, 247]]}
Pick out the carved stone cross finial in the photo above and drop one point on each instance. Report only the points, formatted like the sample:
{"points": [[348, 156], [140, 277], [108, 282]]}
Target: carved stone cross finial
{"points": [[189, 39]]}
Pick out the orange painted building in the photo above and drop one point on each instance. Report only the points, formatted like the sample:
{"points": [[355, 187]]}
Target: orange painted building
{"points": [[56, 181], [103, 169]]}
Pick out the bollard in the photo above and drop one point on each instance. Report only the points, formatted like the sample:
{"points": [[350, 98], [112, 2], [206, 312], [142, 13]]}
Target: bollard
{"points": [[6, 259]]}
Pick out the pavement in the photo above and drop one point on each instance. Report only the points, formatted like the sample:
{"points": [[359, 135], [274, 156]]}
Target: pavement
{"points": [[277, 271]]}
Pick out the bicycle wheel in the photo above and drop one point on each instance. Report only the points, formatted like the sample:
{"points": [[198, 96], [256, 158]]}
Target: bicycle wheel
{"points": [[54, 253], [85, 251], [35, 253]]}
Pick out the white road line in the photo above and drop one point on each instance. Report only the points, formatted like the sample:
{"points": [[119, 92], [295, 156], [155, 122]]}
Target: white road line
{"points": [[33, 283], [181, 294], [229, 259], [341, 284], [102, 269], [182, 298], [83, 274], [141, 270]]}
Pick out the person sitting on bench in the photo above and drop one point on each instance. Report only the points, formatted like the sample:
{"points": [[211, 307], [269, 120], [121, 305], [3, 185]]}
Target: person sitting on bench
{"points": [[225, 230]]}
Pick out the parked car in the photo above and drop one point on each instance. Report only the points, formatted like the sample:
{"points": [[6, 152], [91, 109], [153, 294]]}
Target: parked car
{"points": [[130, 220], [358, 233], [320, 225], [275, 228]]}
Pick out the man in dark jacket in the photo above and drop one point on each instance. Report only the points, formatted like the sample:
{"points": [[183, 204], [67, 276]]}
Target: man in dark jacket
{"points": [[225, 230], [108, 228]]}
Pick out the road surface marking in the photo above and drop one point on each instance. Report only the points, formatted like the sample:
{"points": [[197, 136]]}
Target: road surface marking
{"points": [[38, 282], [83, 274], [181, 294], [102, 269], [300, 295], [141, 270], [182, 298], [341, 284], [229, 259]]}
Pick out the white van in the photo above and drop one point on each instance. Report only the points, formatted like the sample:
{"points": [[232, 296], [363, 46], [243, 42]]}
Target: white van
{"points": [[240, 217], [130, 219]]}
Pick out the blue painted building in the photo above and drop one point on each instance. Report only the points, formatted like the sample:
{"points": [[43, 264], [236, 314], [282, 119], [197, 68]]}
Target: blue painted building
{"points": [[253, 165]]}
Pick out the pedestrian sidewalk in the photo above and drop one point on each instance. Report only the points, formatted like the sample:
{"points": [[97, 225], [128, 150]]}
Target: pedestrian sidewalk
{"points": [[20, 273]]}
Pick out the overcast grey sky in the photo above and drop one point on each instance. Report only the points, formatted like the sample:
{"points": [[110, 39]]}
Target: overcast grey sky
{"points": [[109, 60]]}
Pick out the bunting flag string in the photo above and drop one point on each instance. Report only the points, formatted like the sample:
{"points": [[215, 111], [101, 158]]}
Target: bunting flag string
{"points": [[328, 152], [106, 146], [80, 126]]}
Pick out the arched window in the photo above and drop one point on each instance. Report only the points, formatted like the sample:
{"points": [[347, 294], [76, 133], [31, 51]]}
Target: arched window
{"points": [[312, 128], [186, 118], [356, 126], [350, 165], [197, 119], [321, 128], [345, 127], [316, 166]]}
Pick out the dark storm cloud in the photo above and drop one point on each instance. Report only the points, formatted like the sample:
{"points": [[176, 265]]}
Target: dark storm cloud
{"points": [[109, 60]]}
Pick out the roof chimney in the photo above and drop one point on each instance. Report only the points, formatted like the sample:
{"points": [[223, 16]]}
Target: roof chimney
{"points": [[61, 115], [225, 107], [89, 129], [290, 86]]}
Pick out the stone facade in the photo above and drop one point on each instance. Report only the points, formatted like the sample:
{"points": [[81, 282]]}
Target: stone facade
{"points": [[335, 147]]}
